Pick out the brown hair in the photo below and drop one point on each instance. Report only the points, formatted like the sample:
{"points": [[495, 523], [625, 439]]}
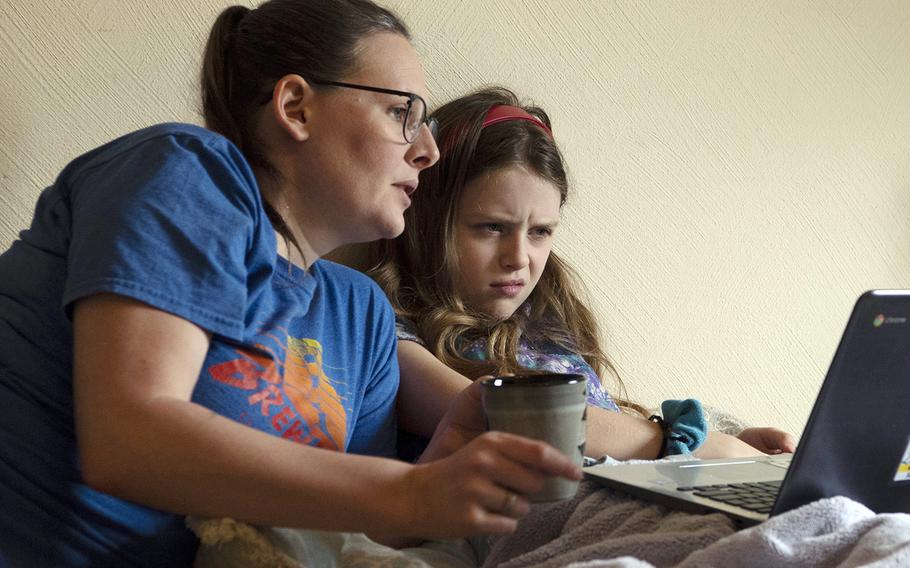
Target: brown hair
{"points": [[248, 51], [417, 269]]}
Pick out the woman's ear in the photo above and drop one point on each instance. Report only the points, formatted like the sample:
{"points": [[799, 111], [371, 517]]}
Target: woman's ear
{"points": [[291, 105]]}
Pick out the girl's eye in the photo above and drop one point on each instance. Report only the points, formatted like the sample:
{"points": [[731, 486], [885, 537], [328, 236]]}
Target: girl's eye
{"points": [[493, 228], [542, 232]]}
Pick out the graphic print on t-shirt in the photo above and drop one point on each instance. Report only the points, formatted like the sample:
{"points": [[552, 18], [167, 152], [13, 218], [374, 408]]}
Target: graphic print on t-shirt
{"points": [[300, 403]]}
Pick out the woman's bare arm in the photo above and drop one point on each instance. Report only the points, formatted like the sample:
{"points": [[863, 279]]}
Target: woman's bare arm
{"points": [[141, 438]]}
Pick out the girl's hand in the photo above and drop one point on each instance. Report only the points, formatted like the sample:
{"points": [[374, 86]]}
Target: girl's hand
{"points": [[720, 445], [482, 488], [769, 440]]}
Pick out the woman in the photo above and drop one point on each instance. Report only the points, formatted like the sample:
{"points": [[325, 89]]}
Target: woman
{"points": [[479, 290], [171, 344]]}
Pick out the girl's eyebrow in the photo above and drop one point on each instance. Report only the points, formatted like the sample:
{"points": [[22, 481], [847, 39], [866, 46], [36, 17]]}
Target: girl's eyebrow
{"points": [[482, 215], [479, 216]]}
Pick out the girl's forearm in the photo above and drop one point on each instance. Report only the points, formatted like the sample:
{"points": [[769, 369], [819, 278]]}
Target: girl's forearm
{"points": [[621, 436]]}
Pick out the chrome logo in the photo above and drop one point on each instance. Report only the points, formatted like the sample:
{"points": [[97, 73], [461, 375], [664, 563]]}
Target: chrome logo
{"points": [[879, 320]]}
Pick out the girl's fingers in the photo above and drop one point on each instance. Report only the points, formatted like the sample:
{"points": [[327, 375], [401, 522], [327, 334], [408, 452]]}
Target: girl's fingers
{"points": [[787, 442]]}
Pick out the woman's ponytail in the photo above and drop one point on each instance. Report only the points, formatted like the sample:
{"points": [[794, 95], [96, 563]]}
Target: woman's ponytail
{"points": [[218, 71]]}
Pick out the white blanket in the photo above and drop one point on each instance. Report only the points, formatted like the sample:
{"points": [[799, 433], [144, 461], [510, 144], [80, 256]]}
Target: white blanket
{"points": [[599, 528]]}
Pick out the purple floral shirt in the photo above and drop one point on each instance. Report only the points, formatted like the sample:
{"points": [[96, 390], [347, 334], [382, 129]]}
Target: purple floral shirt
{"points": [[545, 356]]}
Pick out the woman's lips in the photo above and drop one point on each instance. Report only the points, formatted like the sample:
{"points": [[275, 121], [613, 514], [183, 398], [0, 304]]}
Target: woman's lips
{"points": [[408, 187], [406, 192], [508, 289]]}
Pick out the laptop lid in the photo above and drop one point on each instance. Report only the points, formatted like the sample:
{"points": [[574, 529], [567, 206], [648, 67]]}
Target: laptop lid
{"points": [[856, 442], [857, 439]]}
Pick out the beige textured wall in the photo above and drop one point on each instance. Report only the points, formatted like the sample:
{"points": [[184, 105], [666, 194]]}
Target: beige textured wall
{"points": [[741, 169]]}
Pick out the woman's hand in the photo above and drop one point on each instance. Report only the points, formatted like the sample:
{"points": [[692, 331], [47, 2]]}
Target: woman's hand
{"points": [[482, 488], [469, 481], [769, 440]]}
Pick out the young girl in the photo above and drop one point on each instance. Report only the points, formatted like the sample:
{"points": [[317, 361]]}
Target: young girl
{"points": [[171, 344], [478, 289]]}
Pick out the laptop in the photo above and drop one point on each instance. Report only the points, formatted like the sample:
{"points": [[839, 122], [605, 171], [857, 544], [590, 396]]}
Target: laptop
{"points": [[856, 442]]}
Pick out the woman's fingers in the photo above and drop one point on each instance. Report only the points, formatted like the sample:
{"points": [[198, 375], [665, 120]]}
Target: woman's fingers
{"points": [[484, 487], [507, 503], [533, 454], [507, 468], [516, 463]]}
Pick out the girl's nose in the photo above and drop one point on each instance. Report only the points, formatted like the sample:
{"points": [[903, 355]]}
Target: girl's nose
{"points": [[514, 254]]}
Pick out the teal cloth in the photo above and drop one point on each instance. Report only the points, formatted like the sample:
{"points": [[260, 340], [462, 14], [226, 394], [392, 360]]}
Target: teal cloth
{"points": [[686, 425]]}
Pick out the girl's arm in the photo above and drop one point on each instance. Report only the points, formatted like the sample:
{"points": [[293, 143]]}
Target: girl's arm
{"points": [[769, 440], [428, 386], [141, 438], [426, 389]]}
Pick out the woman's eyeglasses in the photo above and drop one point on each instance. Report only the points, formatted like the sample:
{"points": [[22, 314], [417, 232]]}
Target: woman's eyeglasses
{"points": [[415, 115]]}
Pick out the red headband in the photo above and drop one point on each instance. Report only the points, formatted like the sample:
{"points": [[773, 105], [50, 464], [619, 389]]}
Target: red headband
{"points": [[503, 113]]}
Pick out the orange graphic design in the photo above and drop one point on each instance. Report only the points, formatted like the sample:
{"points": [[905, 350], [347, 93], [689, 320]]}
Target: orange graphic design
{"points": [[311, 391], [303, 405]]}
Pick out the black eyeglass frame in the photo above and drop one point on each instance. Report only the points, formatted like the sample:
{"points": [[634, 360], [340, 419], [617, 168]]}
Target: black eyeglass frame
{"points": [[429, 121]]}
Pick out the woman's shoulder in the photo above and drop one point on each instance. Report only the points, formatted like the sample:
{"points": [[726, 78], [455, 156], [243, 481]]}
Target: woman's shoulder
{"points": [[183, 134], [162, 145], [181, 139], [346, 279], [179, 130], [160, 161]]}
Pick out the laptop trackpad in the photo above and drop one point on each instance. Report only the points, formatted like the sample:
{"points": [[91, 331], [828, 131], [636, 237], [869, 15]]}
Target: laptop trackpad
{"points": [[720, 471]]}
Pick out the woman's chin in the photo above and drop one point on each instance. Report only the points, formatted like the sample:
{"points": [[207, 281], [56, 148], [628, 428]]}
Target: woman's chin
{"points": [[393, 231], [386, 228]]}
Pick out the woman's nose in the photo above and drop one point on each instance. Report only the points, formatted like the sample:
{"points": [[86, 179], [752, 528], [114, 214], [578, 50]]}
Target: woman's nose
{"points": [[423, 153]]}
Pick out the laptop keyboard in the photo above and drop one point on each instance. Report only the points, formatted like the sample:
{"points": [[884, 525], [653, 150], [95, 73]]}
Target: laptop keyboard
{"points": [[755, 496]]}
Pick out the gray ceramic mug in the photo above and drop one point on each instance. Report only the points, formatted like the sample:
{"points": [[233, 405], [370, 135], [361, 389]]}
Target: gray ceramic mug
{"points": [[548, 407]]}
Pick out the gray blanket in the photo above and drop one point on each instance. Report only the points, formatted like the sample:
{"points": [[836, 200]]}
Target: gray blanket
{"points": [[601, 528]]}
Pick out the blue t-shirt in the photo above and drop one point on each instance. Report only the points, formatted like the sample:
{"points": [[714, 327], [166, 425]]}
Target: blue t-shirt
{"points": [[171, 215]]}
